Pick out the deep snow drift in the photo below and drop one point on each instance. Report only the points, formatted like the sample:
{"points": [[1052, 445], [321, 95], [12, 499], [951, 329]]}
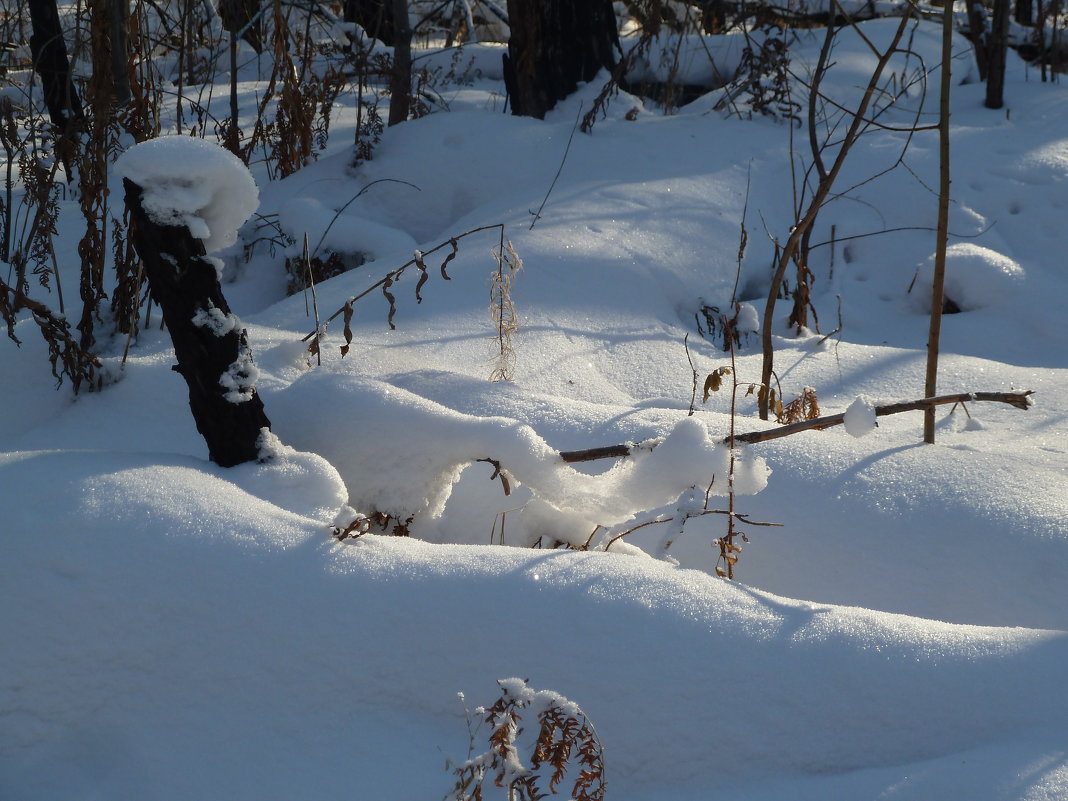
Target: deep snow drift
{"points": [[170, 629]]}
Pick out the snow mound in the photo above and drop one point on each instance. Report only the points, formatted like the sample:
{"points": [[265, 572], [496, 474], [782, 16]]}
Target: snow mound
{"points": [[192, 182], [976, 277], [1043, 166], [339, 230]]}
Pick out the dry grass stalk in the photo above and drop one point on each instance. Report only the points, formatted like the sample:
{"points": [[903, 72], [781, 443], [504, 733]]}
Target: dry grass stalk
{"points": [[665, 519], [804, 407], [762, 80], [564, 735], [502, 308], [64, 351]]}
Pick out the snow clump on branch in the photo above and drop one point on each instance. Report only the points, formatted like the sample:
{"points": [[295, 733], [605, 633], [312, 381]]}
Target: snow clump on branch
{"points": [[192, 182], [859, 418]]}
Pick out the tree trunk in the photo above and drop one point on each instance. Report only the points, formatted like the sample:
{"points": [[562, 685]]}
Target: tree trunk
{"points": [[50, 60], [819, 197], [239, 17], [376, 17], [400, 83], [998, 46], [555, 45], [714, 16], [118, 23], [977, 34], [1025, 12], [211, 347], [942, 237]]}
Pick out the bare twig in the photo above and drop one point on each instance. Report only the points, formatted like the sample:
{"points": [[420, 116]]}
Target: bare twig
{"points": [[689, 358], [668, 518], [560, 169], [785, 257], [498, 473]]}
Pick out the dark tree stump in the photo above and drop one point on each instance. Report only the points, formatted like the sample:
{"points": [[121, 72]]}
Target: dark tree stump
{"points": [[555, 44], [211, 347]]}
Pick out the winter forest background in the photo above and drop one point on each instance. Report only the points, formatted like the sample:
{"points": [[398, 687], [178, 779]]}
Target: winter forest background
{"points": [[469, 399]]}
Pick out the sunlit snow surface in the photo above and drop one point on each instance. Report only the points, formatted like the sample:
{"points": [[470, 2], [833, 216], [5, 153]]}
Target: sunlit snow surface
{"points": [[174, 630]]}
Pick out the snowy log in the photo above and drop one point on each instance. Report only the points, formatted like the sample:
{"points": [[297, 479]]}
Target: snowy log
{"points": [[1020, 400]]}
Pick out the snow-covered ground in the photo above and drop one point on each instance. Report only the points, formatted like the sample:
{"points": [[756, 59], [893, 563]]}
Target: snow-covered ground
{"points": [[170, 629]]}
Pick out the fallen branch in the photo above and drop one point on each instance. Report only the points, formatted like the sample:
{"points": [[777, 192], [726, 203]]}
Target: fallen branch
{"points": [[1020, 400]]}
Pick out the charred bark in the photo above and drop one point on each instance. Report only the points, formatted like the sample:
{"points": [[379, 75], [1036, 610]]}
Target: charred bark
{"points": [[211, 347]]}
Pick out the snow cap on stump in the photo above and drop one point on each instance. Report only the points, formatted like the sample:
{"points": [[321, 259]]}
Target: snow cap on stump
{"points": [[192, 182]]}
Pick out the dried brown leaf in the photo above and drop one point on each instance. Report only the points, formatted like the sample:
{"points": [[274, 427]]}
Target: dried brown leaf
{"points": [[392, 301], [455, 248]]}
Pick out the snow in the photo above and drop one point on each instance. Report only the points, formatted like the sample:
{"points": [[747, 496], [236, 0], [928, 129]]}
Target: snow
{"points": [[859, 418], [170, 629], [215, 320], [976, 277], [336, 230], [192, 182], [240, 377], [407, 477]]}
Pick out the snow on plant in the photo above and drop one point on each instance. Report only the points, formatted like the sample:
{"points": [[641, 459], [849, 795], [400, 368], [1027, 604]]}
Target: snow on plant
{"points": [[564, 733], [192, 182]]}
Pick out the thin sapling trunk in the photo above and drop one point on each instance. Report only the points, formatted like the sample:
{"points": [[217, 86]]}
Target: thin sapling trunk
{"points": [[937, 290]]}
